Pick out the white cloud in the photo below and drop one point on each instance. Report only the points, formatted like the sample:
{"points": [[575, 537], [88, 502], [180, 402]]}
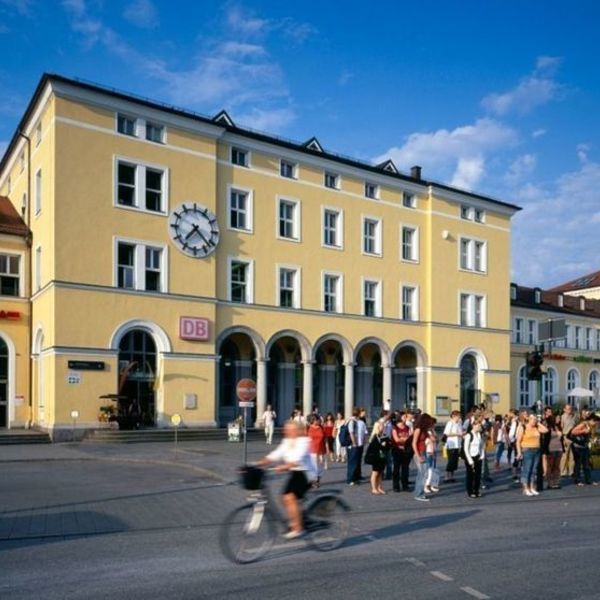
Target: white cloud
{"points": [[345, 77], [21, 7], [142, 13], [534, 90], [460, 152], [538, 133], [582, 152], [272, 120], [555, 236], [245, 23], [520, 168]]}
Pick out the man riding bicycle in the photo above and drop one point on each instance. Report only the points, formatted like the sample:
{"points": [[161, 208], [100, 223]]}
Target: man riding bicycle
{"points": [[293, 454]]}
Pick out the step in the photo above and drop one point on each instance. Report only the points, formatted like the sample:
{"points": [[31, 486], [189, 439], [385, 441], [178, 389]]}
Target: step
{"points": [[24, 437]]}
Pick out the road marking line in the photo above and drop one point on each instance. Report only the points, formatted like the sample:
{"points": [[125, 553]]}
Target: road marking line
{"points": [[372, 538], [475, 593], [414, 561], [441, 575]]}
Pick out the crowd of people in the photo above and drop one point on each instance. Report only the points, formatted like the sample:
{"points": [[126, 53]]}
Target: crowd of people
{"points": [[536, 448]]}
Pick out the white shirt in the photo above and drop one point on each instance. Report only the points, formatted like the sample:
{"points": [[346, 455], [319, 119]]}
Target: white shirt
{"points": [[474, 446], [359, 429], [295, 450], [269, 417], [453, 442]]}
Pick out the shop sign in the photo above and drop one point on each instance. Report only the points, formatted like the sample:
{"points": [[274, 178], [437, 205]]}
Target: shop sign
{"points": [[555, 357], [86, 365], [11, 315], [194, 328]]}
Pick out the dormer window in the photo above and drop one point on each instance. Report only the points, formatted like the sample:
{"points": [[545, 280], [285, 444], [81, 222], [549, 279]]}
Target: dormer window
{"points": [[239, 157]]}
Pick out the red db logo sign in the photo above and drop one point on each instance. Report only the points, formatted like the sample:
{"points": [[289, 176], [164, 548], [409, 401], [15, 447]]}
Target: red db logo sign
{"points": [[193, 328]]}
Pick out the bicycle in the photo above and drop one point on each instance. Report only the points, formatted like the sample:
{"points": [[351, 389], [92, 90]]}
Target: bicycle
{"points": [[249, 531]]}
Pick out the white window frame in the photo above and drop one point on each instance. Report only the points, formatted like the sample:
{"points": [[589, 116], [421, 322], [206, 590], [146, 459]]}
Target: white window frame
{"points": [[296, 291], [589, 344], [416, 301], [139, 264], [339, 229], [294, 166], [471, 312], [21, 275], [250, 283], [249, 208], [409, 199], [549, 395], [296, 219], [596, 375], [140, 185], [378, 236], [136, 124], [479, 215], [38, 192], [578, 339], [576, 383], [470, 265], [156, 125], [523, 387], [518, 330], [531, 331], [38, 268], [339, 299], [336, 179], [235, 147], [378, 312], [375, 189], [415, 246]]}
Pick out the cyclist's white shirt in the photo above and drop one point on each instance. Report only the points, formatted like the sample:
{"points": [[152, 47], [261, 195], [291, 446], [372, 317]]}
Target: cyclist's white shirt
{"points": [[295, 450]]}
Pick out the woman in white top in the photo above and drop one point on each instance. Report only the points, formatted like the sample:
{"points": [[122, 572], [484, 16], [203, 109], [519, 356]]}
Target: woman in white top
{"points": [[268, 419], [293, 454], [474, 449], [453, 433]]}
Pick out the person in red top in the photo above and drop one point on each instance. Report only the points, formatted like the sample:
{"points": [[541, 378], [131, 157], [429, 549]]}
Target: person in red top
{"points": [[401, 455], [317, 444], [423, 424], [328, 428]]}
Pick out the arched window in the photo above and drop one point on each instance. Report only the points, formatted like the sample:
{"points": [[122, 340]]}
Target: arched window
{"points": [[593, 385], [524, 396], [572, 383], [550, 385]]}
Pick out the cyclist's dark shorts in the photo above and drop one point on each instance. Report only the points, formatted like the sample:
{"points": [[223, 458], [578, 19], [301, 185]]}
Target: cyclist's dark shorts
{"points": [[297, 484]]}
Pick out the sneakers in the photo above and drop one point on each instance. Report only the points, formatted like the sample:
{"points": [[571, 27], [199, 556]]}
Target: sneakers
{"points": [[533, 492], [527, 493], [422, 498], [292, 535]]}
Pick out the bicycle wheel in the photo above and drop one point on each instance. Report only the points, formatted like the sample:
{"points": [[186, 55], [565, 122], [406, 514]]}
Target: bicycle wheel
{"points": [[248, 533], [326, 522]]}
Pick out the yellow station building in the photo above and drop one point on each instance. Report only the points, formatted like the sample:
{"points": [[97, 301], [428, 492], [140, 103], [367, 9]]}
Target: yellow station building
{"points": [[165, 255]]}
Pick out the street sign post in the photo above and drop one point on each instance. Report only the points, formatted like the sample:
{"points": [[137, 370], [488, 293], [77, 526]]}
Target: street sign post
{"points": [[176, 422], [246, 393]]}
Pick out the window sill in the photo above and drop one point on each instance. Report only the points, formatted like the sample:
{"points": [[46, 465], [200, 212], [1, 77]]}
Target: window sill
{"points": [[239, 230], [144, 211]]}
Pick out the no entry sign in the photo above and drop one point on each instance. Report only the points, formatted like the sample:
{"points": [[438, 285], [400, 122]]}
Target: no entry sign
{"points": [[246, 391]]}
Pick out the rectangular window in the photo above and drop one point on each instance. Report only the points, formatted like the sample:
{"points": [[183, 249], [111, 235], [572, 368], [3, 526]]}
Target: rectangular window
{"points": [[518, 332], [38, 268], [288, 288], [578, 339], [139, 267], [598, 340], [331, 293], [238, 210], [409, 200], [239, 277], [371, 190], [126, 125], [22, 162], [472, 310], [568, 336], [38, 134], [154, 132], [141, 186], [288, 220], [466, 212], [239, 157], [331, 228], [332, 180], [473, 255], [38, 192], [287, 169], [409, 244], [371, 236], [9, 275], [588, 338], [531, 331], [409, 303], [479, 215], [371, 298]]}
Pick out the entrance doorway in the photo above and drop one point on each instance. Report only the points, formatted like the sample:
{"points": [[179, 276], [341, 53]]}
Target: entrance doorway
{"points": [[137, 377], [3, 384], [285, 381], [469, 392]]}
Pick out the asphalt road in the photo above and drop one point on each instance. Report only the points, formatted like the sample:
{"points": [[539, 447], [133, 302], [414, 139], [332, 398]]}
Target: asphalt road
{"points": [[89, 529]]}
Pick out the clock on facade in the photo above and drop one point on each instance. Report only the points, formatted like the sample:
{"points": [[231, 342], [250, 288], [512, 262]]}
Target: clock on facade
{"points": [[194, 229]]}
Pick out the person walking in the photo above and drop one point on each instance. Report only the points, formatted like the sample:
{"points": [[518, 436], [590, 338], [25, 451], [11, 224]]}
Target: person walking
{"points": [[401, 454], [317, 445], [340, 451], [568, 420], [329, 431], [528, 449], [268, 421], [423, 424], [500, 438], [474, 451], [553, 448], [580, 443], [453, 433], [358, 433], [432, 479]]}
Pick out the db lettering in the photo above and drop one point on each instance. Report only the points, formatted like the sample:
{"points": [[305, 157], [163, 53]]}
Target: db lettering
{"points": [[193, 328]]}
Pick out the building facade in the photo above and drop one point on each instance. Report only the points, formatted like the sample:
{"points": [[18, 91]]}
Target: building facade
{"points": [[172, 255], [573, 362]]}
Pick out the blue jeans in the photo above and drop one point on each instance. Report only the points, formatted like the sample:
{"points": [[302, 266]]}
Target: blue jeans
{"points": [[354, 457], [531, 457], [499, 451], [421, 477]]}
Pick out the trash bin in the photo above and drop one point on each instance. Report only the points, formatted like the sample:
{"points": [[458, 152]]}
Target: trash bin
{"points": [[234, 432]]}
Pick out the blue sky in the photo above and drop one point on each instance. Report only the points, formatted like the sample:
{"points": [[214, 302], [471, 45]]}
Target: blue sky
{"points": [[497, 96]]}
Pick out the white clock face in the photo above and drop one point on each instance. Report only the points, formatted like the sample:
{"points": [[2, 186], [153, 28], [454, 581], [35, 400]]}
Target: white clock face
{"points": [[194, 229]]}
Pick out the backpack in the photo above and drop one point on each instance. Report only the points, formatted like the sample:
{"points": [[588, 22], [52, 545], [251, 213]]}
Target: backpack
{"points": [[344, 435]]}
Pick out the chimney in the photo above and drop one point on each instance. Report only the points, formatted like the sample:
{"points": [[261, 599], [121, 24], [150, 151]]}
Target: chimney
{"points": [[581, 303], [559, 300], [537, 295], [415, 172]]}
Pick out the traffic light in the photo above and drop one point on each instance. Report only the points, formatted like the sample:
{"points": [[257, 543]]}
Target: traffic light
{"points": [[535, 360]]}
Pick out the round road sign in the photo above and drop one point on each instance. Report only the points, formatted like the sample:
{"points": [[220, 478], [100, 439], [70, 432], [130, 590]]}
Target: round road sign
{"points": [[246, 390]]}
